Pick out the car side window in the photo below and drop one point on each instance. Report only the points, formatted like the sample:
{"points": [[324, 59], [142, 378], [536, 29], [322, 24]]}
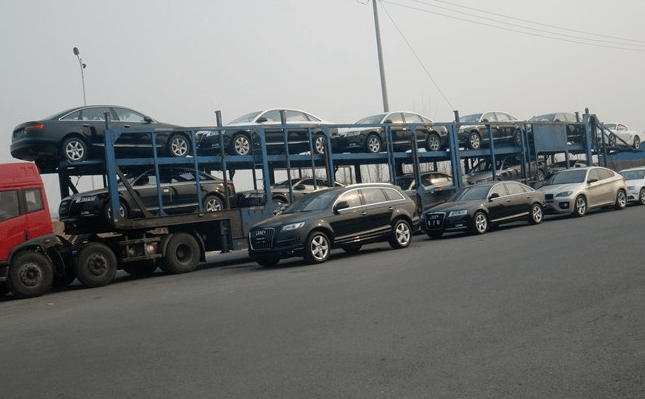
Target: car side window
{"points": [[9, 208], [373, 195], [295, 116], [412, 118], [594, 174], [127, 115], [272, 116], [498, 189], [74, 116], [514, 188], [352, 198], [396, 117], [502, 117], [94, 114], [392, 194], [489, 117], [605, 174]]}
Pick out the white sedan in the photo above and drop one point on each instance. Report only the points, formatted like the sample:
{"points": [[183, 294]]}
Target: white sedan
{"points": [[635, 180], [622, 136]]}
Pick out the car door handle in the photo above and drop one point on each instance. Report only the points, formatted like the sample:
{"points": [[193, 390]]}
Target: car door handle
{"points": [[363, 213], [126, 126], [391, 209], [86, 125]]}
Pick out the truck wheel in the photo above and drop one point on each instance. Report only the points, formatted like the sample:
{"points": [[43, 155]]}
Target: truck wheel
{"points": [[141, 268], [96, 265], [182, 254], [30, 275]]}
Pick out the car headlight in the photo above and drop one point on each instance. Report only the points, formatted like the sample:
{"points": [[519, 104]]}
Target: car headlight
{"points": [[352, 133], [458, 213], [564, 194], [89, 198], [292, 226]]}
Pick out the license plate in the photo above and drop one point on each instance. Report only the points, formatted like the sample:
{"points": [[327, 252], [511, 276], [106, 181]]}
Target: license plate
{"points": [[434, 220]]}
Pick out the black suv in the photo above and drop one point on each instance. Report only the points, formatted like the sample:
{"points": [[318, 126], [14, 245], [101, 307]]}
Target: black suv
{"points": [[345, 217]]}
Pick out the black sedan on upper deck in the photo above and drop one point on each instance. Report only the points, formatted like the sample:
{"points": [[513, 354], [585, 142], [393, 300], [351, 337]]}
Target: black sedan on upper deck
{"points": [[78, 134], [477, 207]]}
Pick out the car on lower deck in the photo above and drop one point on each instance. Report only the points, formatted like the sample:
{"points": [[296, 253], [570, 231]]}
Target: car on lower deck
{"points": [[478, 207], [576, 191], [346, 217], [177, 187], [78, 134]]}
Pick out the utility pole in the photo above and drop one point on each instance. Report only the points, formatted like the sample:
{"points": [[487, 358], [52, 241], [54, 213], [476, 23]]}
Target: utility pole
{"points": [[82, 65], [386, 107]]}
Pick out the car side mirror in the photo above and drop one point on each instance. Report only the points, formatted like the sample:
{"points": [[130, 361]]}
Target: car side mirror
{"points": [[341, 205], [389, 121], [299, 187], [485, 120], [147, 119], [262, 120], [493, 196]]}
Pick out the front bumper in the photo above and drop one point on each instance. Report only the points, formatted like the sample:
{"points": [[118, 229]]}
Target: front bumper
{"points": [[268, 241], [440, 222], [559, 204]]}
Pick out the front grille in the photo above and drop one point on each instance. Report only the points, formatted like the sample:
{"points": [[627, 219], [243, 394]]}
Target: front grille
{"points": [[434, 221], [261, 238]]}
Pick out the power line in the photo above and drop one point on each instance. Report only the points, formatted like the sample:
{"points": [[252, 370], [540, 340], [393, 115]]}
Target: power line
{"points": [[516, 30], [417, 57]]}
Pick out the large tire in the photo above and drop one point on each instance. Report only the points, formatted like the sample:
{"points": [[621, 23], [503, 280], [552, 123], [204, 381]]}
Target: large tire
{"points": [[240, 144], [74, 149], [178, 146], [474, 141], [433, 142], [140, 268], [373, 143], [621, 200], [401, 234], [30, 274], [182, 254], [213, 203], [537, 214], [317, 247], [480, 223], [319, 143], [580, 206], [96, 265]]}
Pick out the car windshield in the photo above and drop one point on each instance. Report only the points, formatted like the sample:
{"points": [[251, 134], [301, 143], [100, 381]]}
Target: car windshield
{"points": [[567, 177], [474, 118], [248, 118], [371, 120], [543, 118], [313, 202], [611, 126], [633, 174], [471, 193]]}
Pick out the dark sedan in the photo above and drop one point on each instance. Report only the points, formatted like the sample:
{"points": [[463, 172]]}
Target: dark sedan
{"points": [[478, 207], [280, 192], [178, 194], [473, 132], [373, 139], [345, 217], [240, 138], [78, 134]]}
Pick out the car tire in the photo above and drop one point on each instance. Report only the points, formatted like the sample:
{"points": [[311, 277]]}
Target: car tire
{"points": [[580, 206], [373, 143], [433, 142], [352, 248], [240, 144], [319, 144], [480, 222], [178, 146], [517, 138], [182, 254], [435, 235], [401, 234], [474, 141], [641, 196], [267, 261], [612, 140], [317, 247], [30, 275], [537, 214], [213, 203], [74, 149], [141, 268], [123, 210], [621, 200], [637, 143], [96, 265]]}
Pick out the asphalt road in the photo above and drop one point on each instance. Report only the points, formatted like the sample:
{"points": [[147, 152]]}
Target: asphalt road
{"points": [[549, 311]]}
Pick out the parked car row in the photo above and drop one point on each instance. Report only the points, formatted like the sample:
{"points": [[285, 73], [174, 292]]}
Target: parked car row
{"points": [[77, 134]]}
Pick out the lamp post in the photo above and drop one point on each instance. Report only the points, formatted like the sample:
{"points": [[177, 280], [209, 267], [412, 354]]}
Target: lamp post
{"points": [[82, 66]]}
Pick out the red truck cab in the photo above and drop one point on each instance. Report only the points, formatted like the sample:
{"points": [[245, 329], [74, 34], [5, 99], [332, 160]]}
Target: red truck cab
{"points": [[26, 232]]}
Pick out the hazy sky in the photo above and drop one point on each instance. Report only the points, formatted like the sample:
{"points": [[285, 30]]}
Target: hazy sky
{"points": [[180, 61]]}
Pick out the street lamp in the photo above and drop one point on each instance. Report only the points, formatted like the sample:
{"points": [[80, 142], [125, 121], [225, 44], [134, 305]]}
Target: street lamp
{"points": [[82, 66]]}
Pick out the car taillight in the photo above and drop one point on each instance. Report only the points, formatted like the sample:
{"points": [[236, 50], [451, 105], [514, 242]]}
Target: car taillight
{"points": [[38, 126]]}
